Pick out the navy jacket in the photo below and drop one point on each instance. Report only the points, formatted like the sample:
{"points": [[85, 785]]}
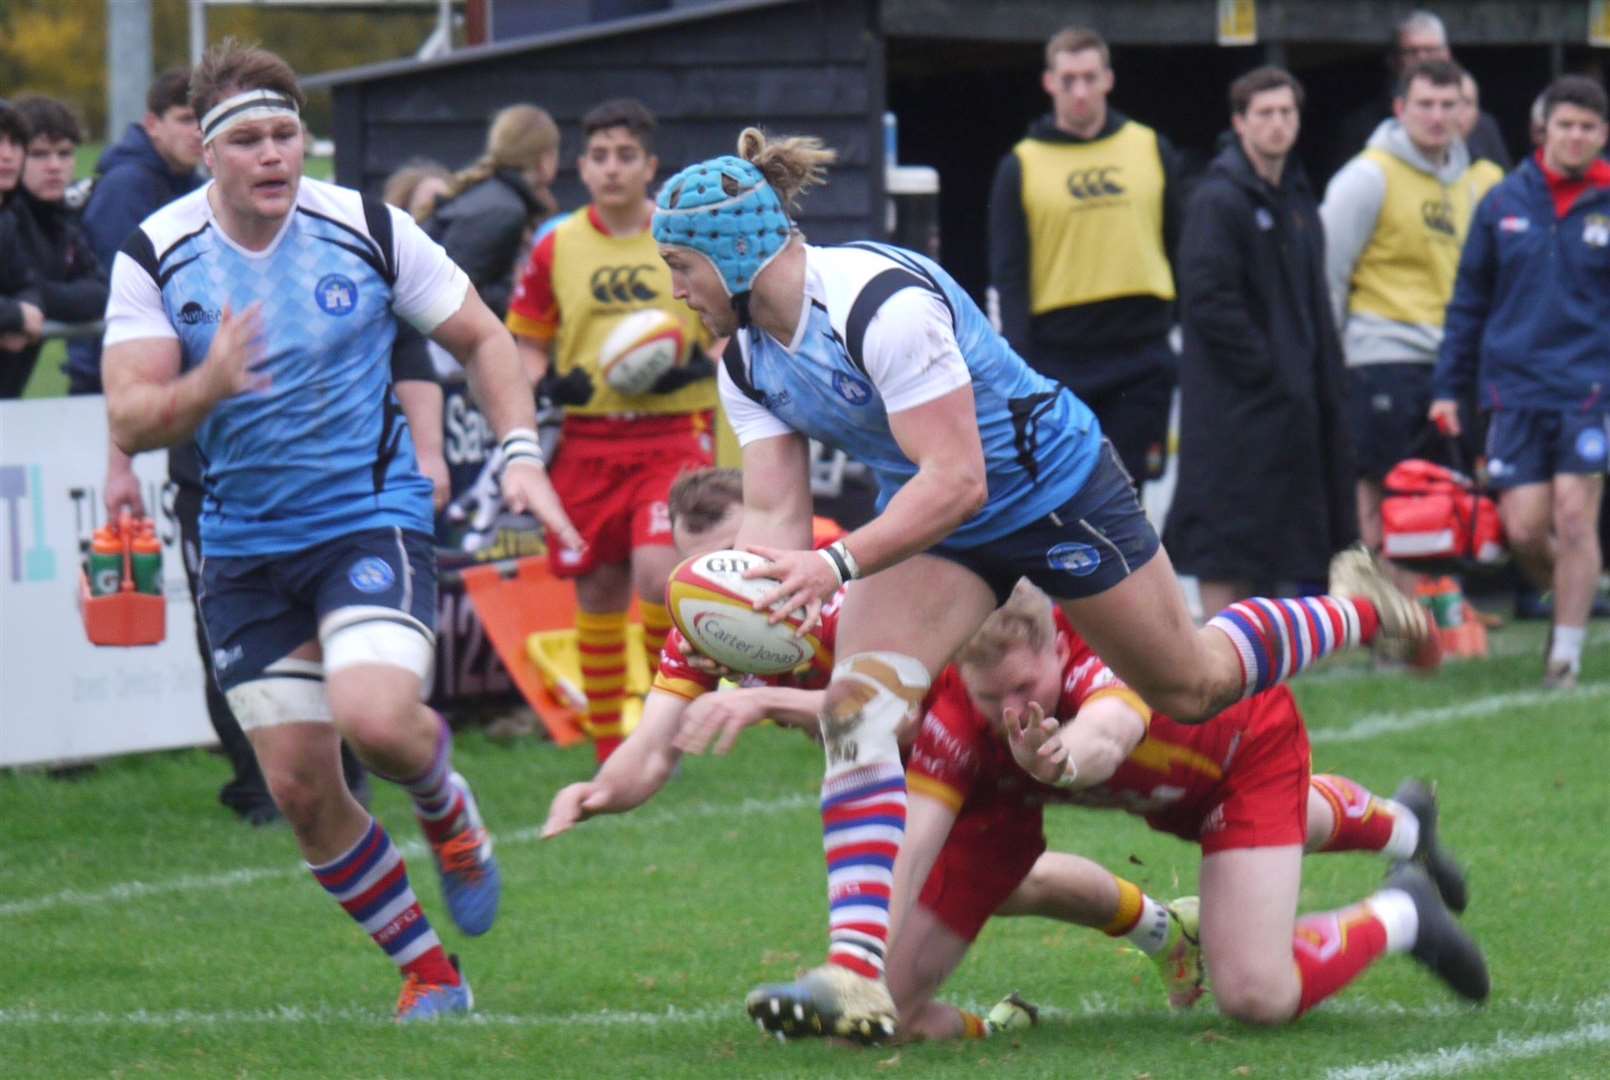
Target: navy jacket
{"points": [[133, 183], [1530, 314]]}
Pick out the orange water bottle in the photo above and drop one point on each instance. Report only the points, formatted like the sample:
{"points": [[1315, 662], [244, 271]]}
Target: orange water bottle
{"points": [[105, 562], [147, 559]]}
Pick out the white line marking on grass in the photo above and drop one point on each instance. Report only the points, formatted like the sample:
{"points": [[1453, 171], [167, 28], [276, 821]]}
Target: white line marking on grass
{"points": [[1413, 720], [1090, 1006], [411, 849], [296, 1015], [1451, 1062]]}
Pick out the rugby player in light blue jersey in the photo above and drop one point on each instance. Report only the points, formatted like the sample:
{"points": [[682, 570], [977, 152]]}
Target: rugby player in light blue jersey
{"points": [[987, 472], [257, 314]]}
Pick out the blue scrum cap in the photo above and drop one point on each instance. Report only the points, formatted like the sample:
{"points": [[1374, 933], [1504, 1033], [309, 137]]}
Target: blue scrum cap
{"points": [[739, 233]]}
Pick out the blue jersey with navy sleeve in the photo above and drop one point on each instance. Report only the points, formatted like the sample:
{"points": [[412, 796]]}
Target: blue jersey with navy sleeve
{"points": [[323, 450], [883, 330]]}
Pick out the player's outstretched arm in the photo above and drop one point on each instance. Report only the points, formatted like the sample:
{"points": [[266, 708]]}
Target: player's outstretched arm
{"points": [[634, 773], [150, 404], [1081, 753], [722, 717]]}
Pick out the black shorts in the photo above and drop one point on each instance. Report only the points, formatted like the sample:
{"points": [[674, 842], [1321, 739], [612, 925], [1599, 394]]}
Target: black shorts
{"points": [[1084, 547], [1533, 446], [258, 609], [1387, 412]]}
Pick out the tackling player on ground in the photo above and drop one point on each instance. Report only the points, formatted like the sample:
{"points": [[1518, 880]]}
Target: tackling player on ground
{"points": [[988, 472], [258, 314], [1239, 785]]}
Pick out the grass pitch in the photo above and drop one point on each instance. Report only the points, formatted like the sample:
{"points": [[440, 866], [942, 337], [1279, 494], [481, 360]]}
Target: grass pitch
{"points": [[150, 934]]}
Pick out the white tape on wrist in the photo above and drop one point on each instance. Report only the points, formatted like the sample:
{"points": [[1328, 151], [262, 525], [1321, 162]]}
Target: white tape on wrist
{"points": [[521, 445], [1069, 774], [843, 563]]}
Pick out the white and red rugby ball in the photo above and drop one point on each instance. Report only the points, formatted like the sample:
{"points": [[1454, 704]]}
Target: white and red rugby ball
{"points": [[712, 604], [642, 347]]}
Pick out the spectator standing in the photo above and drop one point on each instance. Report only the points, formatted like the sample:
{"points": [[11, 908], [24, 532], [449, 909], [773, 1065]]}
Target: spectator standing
{"points": [[1262, 365], [1083, 217], [1395, 218], [48, 241], [491, 207], [1530, 322], [153, 164], [1419, 37], [21, 318]]}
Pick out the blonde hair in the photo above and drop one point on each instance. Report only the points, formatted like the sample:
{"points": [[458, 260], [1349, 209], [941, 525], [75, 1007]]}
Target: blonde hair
{"points": [[1025, 619], [790, 164], [519, 138]]}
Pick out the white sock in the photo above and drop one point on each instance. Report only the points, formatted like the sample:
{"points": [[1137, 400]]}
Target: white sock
{"points": [[1151, 930], [1395, 908], [1567, 647], [1405, 830]]}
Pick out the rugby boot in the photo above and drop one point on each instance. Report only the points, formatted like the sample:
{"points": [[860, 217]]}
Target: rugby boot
{"points": [[1440, 943], [1445, 871], [827, 1001]]}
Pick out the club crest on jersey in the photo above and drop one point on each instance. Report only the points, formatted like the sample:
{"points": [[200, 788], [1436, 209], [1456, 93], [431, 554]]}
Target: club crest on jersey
{"points": [[371, 575], [1590, 444], [1596, 230], [336, 294], [851, 389], [1074, 558]]}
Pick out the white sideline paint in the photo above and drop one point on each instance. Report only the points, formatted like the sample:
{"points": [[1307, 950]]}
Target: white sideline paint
{"points": [[411, 849], [1092, 1006], [301, 1017], [1451, 1062], [1394, 723]]}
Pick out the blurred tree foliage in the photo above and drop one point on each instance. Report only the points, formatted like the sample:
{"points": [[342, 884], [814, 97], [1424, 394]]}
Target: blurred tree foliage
{"points": [[58, 47]]}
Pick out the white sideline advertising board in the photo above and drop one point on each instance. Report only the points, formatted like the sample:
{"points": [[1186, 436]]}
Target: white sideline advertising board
{"points": [[61, 698]]}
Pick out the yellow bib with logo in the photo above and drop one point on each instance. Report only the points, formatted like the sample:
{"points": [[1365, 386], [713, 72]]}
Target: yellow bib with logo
{"points": [[1406, 272], [1095, 219], [597, 281]]}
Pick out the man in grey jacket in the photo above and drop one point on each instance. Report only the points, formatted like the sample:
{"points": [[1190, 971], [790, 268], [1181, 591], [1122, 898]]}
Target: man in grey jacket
{"points": [[1395, 219]]}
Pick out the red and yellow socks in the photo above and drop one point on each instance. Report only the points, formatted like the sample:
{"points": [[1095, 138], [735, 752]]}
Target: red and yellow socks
{"points": [[656, 625], [1363, 821], [601, 640]]}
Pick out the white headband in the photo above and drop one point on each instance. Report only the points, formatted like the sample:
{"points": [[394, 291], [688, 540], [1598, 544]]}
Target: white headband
{"points": [[249, 105]]}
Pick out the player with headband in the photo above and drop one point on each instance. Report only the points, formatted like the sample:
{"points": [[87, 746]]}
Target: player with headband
{"points": [[257, 314], [987, 472]]}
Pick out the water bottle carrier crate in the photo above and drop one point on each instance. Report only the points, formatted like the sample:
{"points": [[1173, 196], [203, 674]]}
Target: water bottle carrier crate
{"points": [[126, 617]]}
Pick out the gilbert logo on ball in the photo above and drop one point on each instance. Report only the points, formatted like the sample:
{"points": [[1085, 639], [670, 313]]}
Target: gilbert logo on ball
{"points": [[643, 346], [711, 604]]}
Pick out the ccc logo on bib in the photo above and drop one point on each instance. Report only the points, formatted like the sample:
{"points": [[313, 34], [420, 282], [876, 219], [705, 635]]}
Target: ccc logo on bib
{"points": [[621, 285], [1094, 183], [851, 389]]}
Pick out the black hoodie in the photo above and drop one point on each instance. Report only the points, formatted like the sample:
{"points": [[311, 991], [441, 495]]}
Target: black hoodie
{"points": [[1055, 339]]}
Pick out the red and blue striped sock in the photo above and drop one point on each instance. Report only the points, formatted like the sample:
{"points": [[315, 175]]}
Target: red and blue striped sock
{"points": [[863, 822], [1278, 638], [371, 882], [439, 804]]}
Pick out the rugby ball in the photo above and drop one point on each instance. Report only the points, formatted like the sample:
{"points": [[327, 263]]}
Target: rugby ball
{"points": [[642, 347], [712, 604]]}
